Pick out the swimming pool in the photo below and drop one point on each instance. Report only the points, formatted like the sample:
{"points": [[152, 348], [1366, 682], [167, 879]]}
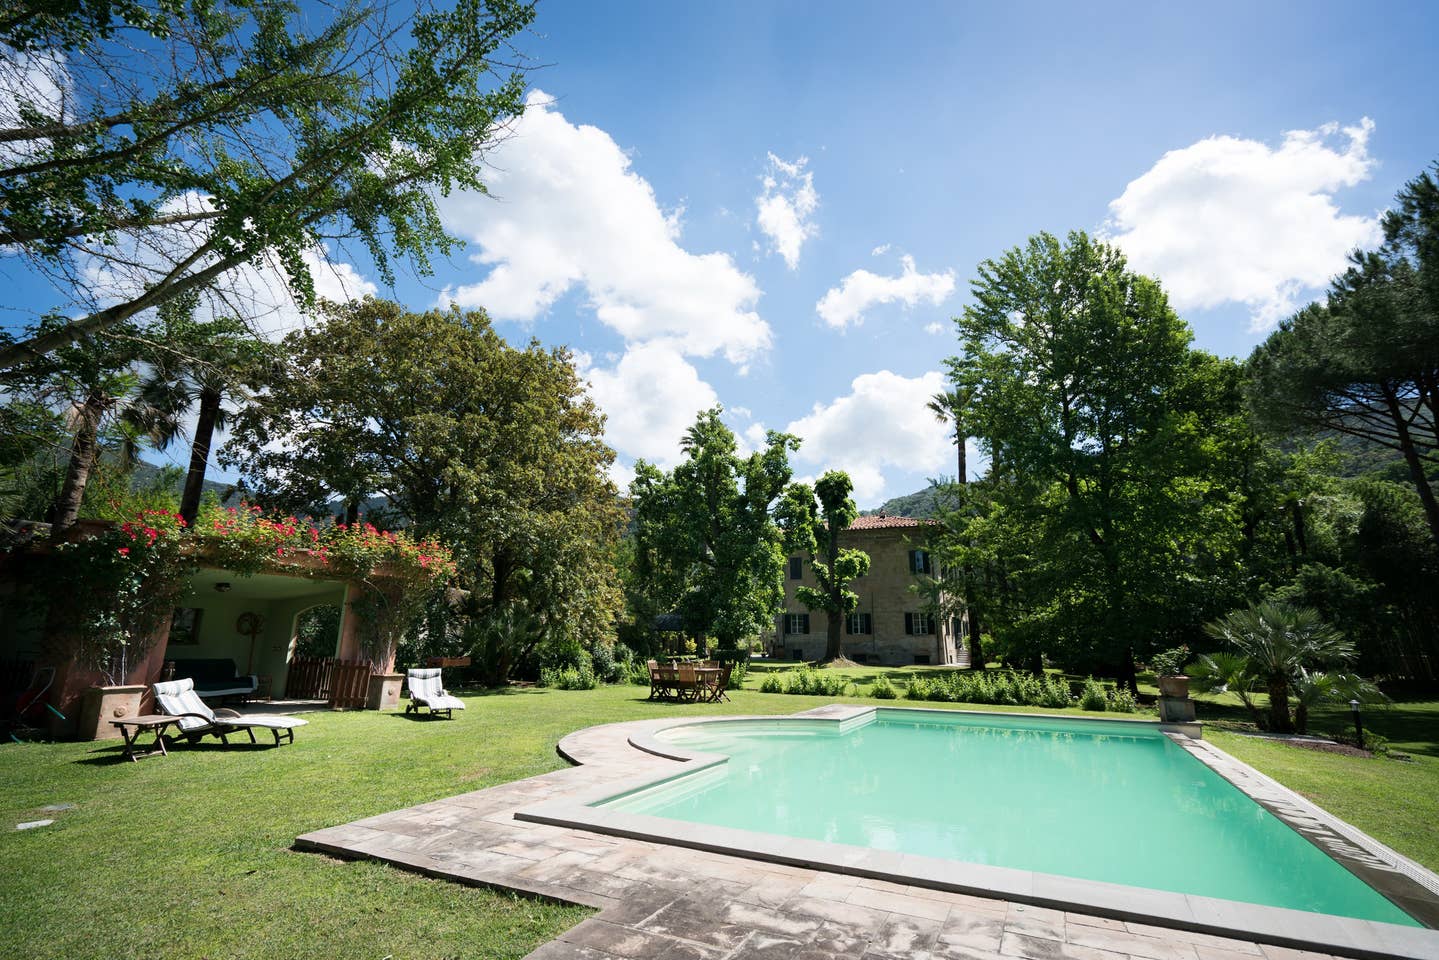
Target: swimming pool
{"points": [[1114, 803]]}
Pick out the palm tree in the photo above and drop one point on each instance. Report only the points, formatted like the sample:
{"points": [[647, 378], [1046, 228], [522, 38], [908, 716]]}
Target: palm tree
{"points": [[949, 407], [1280, 641], [1225, 673], [203, 365], [1313, 687]]}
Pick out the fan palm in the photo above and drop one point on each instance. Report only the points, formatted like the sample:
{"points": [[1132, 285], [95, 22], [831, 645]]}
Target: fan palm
{"points": [[1279, 641], [1225, 673], [205, 363], [1313, 687]]}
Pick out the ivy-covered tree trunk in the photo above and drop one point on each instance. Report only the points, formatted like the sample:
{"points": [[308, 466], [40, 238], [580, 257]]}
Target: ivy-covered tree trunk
{"points": [[200, 454], [83, 452]]}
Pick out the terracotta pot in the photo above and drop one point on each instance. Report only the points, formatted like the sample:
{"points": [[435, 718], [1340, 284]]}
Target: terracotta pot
{"points": [[384, 691], [103, 704], [1176, 687]]}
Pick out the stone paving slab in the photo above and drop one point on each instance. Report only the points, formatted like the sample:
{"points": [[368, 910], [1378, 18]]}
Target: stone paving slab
{"points": [[659, 901]]}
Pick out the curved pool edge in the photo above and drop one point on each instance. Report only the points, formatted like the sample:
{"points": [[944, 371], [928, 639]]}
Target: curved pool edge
{"points": [[1226, 918]]}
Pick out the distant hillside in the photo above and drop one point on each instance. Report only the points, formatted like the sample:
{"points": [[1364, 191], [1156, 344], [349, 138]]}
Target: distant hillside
{"points": [[148, 475], [920, 504]]}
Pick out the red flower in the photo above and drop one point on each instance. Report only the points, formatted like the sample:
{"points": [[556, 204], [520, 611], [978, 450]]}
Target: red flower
{"points": [[124, 551]]}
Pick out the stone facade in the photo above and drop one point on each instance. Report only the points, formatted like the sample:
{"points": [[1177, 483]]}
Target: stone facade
{"points": [[892, 611]]}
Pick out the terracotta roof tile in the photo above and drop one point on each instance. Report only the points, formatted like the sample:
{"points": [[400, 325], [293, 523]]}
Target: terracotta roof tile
{"points": [[879, 521]]}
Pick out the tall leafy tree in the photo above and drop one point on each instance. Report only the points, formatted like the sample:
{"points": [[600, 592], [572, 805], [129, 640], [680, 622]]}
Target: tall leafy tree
{"points": [[162, 144], [496, 450], [813, 520], [705, 539], [1098, 419], [1365, 363]]}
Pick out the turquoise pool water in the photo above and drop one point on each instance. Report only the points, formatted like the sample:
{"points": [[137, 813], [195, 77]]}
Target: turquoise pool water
{"points": [[1052, 796]]}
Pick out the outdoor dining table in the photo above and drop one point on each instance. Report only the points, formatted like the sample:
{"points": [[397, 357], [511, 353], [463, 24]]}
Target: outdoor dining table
{"points": [[664, 682]]}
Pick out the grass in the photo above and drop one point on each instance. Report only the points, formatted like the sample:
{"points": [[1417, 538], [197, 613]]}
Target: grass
{"points": [[190, 856]]}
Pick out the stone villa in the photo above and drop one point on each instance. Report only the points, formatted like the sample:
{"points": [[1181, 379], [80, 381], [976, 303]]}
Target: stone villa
{"points": [[891, 625]]}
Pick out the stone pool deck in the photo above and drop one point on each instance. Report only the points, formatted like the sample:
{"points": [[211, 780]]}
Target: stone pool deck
{"points": [[660, 901]]}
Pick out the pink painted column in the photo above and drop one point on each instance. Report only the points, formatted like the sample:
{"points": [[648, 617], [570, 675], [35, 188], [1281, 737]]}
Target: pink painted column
{"points": [[350, 625]]}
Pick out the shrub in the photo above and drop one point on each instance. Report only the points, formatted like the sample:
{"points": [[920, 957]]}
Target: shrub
{"points": [[806, 681], [918, 688], [737, 674], [882, 689], [637, 673], [1122, 701], [606, 663], [1093, 697], [581, 677]]}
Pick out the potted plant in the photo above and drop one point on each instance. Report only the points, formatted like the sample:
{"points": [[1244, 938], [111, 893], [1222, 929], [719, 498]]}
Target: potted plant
{"points": [[1168, 668]]}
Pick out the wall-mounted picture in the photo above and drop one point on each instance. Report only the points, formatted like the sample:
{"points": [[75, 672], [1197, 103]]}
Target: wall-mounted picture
{"points": [[185, 627]]}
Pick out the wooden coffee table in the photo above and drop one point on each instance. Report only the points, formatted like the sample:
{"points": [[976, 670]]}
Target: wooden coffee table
{"points": [[132, 727]]}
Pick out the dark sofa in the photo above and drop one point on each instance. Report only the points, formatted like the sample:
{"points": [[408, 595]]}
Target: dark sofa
{"points": [[215, 677]]}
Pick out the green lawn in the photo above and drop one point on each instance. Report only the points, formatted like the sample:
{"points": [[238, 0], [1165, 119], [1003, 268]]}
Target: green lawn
{"points": [[189, 856]]}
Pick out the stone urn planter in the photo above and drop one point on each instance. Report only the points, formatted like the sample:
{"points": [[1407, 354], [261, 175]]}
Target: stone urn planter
{"points": [[384, 691], [1176, 687], [100, 705]]}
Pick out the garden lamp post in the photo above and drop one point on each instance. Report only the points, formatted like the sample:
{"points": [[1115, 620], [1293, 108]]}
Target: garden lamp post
{"points": [[1358, 723]]}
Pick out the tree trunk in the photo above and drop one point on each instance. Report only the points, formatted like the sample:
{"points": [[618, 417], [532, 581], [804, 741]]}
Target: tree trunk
{"points": [[1126, 671], [200, 454], [834, 637], [1279, 706], [1036, 663], [976, 649], [1301, 719], [976, 653], [503, 570], [1416, 466], [1296, 512], [83, 451], [352, 511]]}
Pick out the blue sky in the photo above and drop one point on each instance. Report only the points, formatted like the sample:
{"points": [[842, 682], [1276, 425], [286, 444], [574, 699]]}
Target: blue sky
{"points": [[1234, 150]]}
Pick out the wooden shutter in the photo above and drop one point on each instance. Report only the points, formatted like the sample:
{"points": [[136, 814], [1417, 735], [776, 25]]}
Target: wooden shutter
{"points": [[784, 624], [849, 623], [867, 623], [804, 622], [912, 566], [909, 624]]}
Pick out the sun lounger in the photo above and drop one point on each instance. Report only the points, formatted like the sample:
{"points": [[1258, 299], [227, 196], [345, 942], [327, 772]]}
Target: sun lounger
{"points": [[177, 698], [426, 691]]}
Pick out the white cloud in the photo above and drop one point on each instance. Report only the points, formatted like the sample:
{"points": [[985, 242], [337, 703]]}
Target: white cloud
{"points": [[785, 205], [883, 422], [880, 250], [861, 290], [569, 212], [1231, 220], [935, 328], [650, 398]]}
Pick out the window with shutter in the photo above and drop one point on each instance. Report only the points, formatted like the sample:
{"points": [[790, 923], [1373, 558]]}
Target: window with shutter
{"points": [[804, 622], [795, 568]]}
